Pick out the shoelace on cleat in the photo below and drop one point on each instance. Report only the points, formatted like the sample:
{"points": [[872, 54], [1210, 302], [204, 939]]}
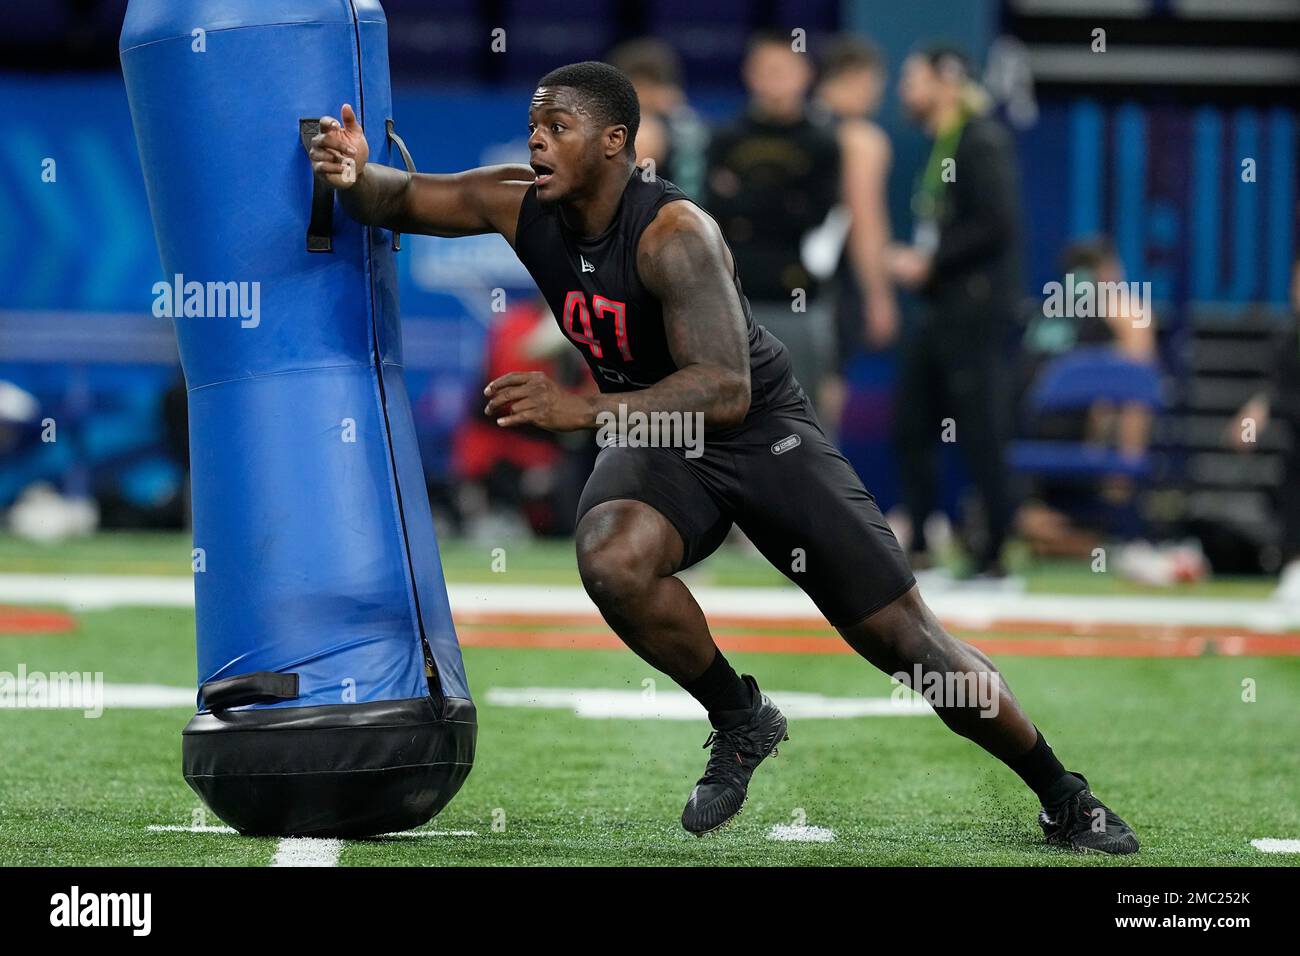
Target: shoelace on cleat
{"points": [[726, 763], [1065, 817], [1085, 804]]}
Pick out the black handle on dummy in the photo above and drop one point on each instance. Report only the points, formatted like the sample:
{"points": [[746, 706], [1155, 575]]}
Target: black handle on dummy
{"points": [[322, 197], [410, 168]]}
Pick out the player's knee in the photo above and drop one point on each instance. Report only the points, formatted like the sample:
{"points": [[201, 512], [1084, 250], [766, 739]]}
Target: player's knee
{"points": [[613, 571], [623, 548], [905, 632], [921, 639]]}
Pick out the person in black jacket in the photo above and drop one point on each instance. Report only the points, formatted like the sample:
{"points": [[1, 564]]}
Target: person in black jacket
{"points": [[964, 261], [773, 178]]}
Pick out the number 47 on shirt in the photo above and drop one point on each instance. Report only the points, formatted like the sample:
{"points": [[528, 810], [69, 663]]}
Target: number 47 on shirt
{"points": [[577, 321]]}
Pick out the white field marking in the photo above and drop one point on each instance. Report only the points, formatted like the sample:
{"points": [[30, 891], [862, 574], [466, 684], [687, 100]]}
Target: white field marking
{"points": [[165, 828], [96, 591], [148, 696], [634, 704], [971, 608], [968, 608], [1272, 845], [137, 697], [791, 833], [307, 851]]}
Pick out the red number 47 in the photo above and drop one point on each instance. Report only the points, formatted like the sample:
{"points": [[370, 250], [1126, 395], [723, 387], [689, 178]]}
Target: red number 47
{"points": [[577, 322]]}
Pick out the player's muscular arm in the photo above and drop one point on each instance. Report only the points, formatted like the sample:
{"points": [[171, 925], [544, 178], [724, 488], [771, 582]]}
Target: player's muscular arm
{"points": [[457, 204], [683, 261], [470, 203]]}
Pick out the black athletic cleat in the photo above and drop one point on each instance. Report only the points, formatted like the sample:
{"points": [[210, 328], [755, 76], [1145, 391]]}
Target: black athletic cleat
{"points": [[1086, 824], [737, 752]]}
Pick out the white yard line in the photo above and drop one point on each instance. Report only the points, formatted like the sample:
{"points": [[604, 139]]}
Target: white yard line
{"points": [[148, 696], [1272, 845], [95, 591], [974, 608], [971, 608], [307, 851], [599, 703], [100, 697]]}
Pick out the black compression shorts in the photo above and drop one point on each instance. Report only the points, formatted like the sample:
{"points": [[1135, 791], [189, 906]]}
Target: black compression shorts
{"points": [[788, 488]]}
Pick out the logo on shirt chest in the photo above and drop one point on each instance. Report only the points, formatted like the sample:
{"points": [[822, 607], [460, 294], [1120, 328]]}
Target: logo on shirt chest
{"points": [[585, 265]]}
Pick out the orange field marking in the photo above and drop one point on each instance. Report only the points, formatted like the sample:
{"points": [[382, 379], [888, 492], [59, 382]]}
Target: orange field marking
{"points": [[764, 635], [17, 620]]}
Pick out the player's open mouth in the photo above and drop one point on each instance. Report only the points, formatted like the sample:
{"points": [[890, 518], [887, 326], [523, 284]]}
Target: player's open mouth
{"points": [[542, 173]]}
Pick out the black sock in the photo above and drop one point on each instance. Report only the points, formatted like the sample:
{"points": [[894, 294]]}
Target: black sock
{"points": [[1044, 774], [724, 695]]}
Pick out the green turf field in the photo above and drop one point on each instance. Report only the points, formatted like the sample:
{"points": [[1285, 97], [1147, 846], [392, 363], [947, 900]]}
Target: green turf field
{"points": [[1168, 743], [550, 562]]}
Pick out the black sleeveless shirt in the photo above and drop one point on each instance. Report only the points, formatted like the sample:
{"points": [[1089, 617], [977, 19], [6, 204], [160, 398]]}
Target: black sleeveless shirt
{"points": [[592, 287]]}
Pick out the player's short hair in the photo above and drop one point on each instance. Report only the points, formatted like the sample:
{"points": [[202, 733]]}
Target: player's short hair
{"points": [[848, 53], [650, 59], [604, 90]]}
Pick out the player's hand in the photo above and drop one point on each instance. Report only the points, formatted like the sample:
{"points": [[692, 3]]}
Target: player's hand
{"points": [[339, 151], [530, 398]]}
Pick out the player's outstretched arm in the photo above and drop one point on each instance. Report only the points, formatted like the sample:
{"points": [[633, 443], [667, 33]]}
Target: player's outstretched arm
{"points": [[469, 203]]}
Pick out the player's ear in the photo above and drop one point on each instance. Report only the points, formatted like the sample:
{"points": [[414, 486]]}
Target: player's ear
{"points": [[615, 140]]}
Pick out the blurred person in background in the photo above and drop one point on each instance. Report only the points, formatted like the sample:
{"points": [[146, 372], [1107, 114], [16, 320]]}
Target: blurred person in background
{"points": [[1280, 402], [849, 92], [1066, 519], [773, 178], [964, 261], [19, 416], [672, 134]]}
